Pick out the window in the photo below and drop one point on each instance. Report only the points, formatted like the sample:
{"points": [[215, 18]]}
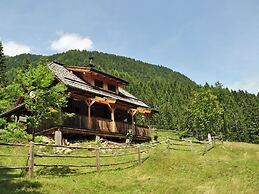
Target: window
{"points": [[112, 87], [98, 83]]}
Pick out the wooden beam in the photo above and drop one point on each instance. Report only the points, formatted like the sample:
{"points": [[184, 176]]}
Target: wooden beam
{"points": [[89, 103], [143, 110], [96, 99], [77, 96], [133, 112], [112, 108], [111, 101], [104, 100], [78, 69], [113, 120]]}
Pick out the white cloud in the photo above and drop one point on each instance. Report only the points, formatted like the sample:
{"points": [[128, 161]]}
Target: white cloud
{"points": [[12, 48], [251, 85], [67, 41]]}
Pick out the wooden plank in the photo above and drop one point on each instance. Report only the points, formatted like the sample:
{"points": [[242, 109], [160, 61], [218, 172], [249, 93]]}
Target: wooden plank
{"points": [[14, 167], [63, 156], [15, 155], [118, 155], [178, 144], [12, 144], [62, 146], [190, 143], [31, 159], [65, 165], [98, 167], [180, 149], [67, 130]]}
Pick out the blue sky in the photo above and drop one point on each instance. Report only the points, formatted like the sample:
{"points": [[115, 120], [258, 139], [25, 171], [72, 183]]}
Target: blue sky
{"points": [[207, 40]]}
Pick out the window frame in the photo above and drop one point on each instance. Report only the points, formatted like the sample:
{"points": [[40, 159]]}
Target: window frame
{"points": [[113, 87], [97, 82]]}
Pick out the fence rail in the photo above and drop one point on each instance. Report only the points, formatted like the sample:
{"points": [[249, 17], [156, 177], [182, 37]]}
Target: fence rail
{"points": [[139, 153], [15, 155], [66, 165], [191, 145], [13, 167], [13, 144], [96, 153]]}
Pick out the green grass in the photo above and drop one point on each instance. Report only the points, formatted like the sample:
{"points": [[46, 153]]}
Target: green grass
{"points": [[228, 168]]}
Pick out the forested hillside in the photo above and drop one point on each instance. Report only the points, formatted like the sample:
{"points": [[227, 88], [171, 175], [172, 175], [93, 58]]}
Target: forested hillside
{"points": [[164, 89]]}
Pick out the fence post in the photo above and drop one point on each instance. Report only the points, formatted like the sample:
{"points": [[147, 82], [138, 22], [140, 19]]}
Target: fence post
{"points": [[221, 138], [168, 143], [205, 148], [191, 148], [98, 166], [31, 159], [139, 155]]}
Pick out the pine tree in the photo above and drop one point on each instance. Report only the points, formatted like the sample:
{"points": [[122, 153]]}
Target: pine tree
{"points": [[2, 66]]}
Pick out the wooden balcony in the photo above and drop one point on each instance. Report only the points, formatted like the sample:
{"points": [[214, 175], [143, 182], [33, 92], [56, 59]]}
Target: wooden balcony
{"points": [[97, 126]]}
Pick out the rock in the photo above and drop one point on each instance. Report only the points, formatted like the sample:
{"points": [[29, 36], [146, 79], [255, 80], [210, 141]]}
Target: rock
{"points": [[75, 144], [47, 140], [58, 150], [67, 151]]}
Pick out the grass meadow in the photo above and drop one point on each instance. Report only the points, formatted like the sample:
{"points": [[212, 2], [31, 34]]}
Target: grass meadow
{"points": [[228, 168]]}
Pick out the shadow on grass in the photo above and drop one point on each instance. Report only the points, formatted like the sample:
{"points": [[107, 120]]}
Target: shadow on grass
{"points": [[55, 171], [69, 171], [120, 168], [66, 171], [15, 183]]}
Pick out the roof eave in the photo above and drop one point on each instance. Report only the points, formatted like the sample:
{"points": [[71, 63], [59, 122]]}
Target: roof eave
{"points": [[12, 110]]}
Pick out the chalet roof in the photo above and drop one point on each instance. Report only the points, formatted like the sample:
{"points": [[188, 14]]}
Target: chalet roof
{"points": [[72, 81], [108, 75], [91, 69]]}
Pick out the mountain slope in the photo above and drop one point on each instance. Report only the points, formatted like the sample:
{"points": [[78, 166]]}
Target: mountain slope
{"points": [[160, 87], [164, 89]]}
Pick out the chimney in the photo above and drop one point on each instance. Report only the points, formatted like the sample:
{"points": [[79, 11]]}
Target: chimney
{"points": [[91, 62]]}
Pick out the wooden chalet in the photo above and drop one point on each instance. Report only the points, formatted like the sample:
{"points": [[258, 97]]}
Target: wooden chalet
{"points": [[100, 104]]}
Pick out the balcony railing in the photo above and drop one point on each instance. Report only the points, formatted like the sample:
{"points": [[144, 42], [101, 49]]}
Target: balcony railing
{"points": [[96, 123], [141, 130]]}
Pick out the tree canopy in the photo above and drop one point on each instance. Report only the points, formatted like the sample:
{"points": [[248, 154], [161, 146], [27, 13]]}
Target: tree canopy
{"points": [[42, 98], [205, 115]]}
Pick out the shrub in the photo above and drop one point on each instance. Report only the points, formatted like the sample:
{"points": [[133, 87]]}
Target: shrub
{"points": [[2, 123], [130, 136], [13, 133]]}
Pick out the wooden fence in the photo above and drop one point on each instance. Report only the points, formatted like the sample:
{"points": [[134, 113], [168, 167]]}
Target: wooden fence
{"points": [[139, 152], [200, 147], [95, 154]]}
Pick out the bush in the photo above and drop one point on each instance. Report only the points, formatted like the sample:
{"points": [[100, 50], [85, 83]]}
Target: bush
{"points": [[130, 136], [38, 139], [2, 123], [13, 133]]}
